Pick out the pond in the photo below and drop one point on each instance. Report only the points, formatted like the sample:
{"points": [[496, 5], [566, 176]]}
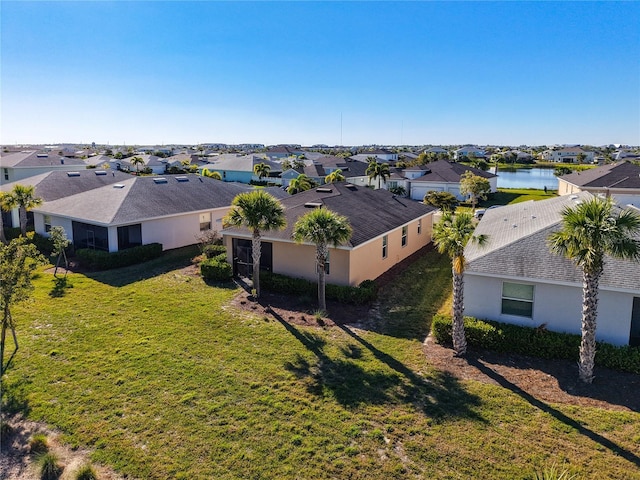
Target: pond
{"points": [[526, 178]]}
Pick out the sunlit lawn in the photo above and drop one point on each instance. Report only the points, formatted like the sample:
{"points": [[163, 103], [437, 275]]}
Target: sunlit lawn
{"points": [[162, 378]]}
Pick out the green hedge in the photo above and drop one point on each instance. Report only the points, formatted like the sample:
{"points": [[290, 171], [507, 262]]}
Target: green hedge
{"points": [[364, 293], [213, 250], [42, 243], [101, 260], [535, 342], [216, 269]]}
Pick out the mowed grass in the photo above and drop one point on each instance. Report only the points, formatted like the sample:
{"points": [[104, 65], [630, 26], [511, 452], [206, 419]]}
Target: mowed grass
{"points": [[162, 378]]}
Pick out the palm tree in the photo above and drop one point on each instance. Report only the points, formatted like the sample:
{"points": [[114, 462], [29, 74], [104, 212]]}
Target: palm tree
{"points": [[377, 170], [24, 198], [589, 232], [335, 176], [261, 170], [137, 161], [258, 211], [322, 227], [450, 235], [299, 184]]}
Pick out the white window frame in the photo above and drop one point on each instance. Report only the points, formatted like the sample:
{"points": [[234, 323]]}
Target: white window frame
{"points": [[518, 299]]}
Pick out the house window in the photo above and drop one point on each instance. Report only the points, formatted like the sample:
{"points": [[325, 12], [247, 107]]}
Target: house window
{"points": [[205, 221], [326, 264], [404, 236], [6, 174], [384, 246], [419, 226], [517, 299], [47, 223], [392, 185]]}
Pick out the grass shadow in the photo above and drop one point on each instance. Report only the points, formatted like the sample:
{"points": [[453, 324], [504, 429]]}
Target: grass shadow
{"points": [[558, 415], [439, 396], [59, 286]]}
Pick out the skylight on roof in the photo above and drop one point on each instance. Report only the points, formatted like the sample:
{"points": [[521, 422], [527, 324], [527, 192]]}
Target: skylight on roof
{"points": [[160, 180], [118, 185], [182, 179], [42, 155], [73, 174], [312, 205], [100, 172], [324, 190]]}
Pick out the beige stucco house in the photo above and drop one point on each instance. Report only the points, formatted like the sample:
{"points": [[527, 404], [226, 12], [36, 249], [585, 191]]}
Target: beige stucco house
{"points": [[386, 230]]}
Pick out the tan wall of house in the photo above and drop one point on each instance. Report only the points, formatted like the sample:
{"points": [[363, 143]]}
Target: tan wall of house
{"points": [[367, 262], [565, 188], [298, 261]]}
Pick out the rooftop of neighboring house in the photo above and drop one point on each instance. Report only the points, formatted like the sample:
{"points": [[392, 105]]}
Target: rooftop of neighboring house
{"points": [[517, 246], [34, 159], [371, 213], [615, 175], [135, 199], [241, 163], [449, 172], [54, 185]]}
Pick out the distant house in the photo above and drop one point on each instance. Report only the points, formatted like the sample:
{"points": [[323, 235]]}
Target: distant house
{"points": [[514, 278], [467, 151], [381, 155], [620, 180], [386, 230], [171, 210], [442, 176], [15, 166], [239, 168], [567, 155], [55, 185], [353, 171]]}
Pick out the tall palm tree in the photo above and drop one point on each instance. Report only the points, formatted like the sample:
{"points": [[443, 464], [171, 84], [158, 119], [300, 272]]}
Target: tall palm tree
{"points": [[590, 231], [258, 211], [300, 184], [322, 227], [450, 235], [378, 171], [137, 161], [335, 176], [261, 170], [24, 198]]}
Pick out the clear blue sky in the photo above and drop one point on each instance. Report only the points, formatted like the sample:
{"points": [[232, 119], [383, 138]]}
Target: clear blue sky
{"points": [[396, 72]]}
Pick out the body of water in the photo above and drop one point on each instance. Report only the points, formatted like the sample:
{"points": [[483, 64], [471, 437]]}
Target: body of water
{"points": [[527, 178]]}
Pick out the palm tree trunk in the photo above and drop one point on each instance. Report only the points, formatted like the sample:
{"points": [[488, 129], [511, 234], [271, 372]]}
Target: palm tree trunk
{"points": [[3, 239], [256, 246], [23, 220], [457, 333], [589, 315], [321, 260], [2, 342]]}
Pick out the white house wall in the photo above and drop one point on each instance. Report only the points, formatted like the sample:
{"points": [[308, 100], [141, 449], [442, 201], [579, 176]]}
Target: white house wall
{"points": [[557, 306]]}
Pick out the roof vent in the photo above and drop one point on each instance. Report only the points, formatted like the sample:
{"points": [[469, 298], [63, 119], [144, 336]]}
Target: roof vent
{"points": [[73, 174], [573, 197], [100, 173], [351, 186], [118, 185], [312, 205], [182, 179], [324, 190], [160, 180]]}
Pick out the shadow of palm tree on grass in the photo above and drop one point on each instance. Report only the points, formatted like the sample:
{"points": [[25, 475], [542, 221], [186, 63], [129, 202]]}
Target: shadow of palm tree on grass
{"points": [[438, 396]]}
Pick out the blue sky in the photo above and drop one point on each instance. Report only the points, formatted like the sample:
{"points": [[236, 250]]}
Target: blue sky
{"points": [[150, 72]]}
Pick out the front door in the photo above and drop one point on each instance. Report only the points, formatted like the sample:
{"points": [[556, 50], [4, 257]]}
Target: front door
{"points": [[634, 336]]}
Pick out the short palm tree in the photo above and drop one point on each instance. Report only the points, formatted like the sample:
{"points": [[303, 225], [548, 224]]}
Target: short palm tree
{"points": [[137, 161], [590, 231], [300, 184], [335, 176], [208, 173], [377, 170], [322, 227], [450, 235], [258, 211], [24, 198], [261, 170]]}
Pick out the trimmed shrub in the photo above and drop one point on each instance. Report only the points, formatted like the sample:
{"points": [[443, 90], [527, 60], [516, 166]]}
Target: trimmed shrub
{"points": [[216, 269], [211, 251], [50, 469], [535, 342], [101, 260], [86, 473], [364, 293]]}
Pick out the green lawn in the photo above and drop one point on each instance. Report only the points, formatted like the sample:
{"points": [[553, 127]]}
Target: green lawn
{"points": [[153, 370]]}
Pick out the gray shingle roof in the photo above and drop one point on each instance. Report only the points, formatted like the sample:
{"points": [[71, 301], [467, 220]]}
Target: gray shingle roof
{"points": [[619, 175], [445, 171], [517, 246], [371, 213], [141, 198], [34, 158]]}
